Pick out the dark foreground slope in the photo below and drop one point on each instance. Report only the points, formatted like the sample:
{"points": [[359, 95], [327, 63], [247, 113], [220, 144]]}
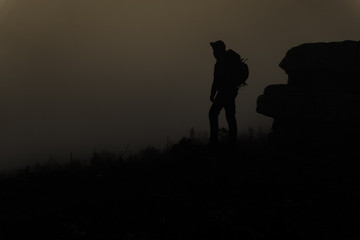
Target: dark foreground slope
{"points": [[187, 193]]}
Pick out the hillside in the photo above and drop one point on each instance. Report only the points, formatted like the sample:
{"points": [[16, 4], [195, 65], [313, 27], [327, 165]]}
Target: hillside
{"points": [[187, 192]]}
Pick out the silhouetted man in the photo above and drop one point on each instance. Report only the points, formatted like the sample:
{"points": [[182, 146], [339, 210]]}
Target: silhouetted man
{"points": [[223, 93]]}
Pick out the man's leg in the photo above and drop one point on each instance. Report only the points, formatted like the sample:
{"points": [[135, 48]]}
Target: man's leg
{"points": [[231, 119], [214, 121]]}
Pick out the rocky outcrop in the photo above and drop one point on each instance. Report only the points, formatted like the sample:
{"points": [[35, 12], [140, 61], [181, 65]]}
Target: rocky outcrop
{"points": [[320, 104]]}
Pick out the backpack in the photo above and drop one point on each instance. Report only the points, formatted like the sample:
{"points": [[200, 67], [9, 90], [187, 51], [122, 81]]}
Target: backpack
{"points": [[239, 69]]}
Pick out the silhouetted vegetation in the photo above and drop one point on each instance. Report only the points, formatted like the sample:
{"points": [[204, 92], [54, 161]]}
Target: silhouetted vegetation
{"points": [[187, 192]]}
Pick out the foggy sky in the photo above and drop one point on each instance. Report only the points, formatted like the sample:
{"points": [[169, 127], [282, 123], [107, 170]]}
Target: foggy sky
{"points": [[83, 74]]}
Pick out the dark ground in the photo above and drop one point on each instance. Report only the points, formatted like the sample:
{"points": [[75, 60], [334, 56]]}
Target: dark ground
{"points": [[259, 192]]}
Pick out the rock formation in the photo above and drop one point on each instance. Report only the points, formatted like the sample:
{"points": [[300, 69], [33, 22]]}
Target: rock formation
{"points": [[320, 104]]}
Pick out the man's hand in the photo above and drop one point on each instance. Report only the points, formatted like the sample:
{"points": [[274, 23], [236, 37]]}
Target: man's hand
{"points": [[212, 97]]}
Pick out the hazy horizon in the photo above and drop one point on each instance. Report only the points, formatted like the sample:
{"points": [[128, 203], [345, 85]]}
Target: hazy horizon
{"points": [[78, 75]]}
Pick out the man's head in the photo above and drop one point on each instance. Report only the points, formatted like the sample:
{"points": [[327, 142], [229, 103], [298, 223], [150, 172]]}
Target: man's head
{"points": [[219, 48]]}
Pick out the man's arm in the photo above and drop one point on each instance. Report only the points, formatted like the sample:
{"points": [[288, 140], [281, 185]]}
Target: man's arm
{"points": [[215, 85], [213, 91]]}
